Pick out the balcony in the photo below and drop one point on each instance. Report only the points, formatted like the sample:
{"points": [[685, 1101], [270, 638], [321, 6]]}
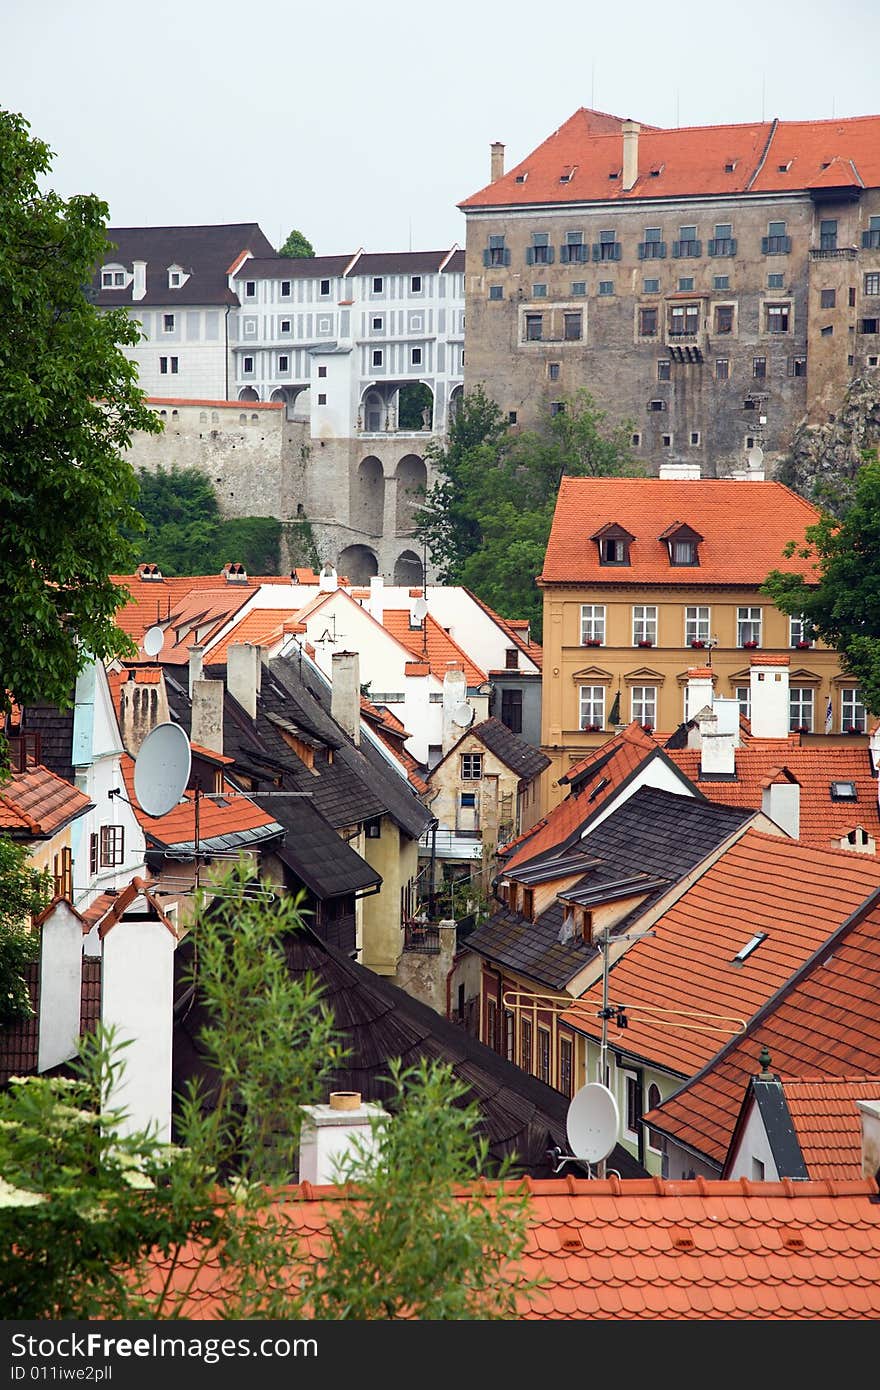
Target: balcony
{"points": [[451, 844], [838, 253], [421, 938]]}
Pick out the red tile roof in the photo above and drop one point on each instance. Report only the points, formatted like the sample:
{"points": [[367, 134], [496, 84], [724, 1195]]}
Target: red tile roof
{"points": [[264, 627], [824, 1023], [231, 815], [686, 161], [745, 531], [648, 1249], [795, 894], [827, 1123], [36, 803], [442, 650], [153, 600]]}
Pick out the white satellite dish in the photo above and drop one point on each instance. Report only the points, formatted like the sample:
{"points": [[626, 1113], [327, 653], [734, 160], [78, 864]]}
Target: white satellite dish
{"points": [[154, 640], [462, 714], [420, 609], [755, 456], [161, 769], [592, 1123]]}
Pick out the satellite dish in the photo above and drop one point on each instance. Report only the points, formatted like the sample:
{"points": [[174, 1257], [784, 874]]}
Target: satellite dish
{"points": [[161, 769], [462, 714], [755, 456], [154, 640], [592, 1123], [420, 609]]}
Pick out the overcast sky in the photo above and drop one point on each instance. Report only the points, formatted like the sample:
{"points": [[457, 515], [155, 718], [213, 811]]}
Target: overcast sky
{"points": [[365, 124]]}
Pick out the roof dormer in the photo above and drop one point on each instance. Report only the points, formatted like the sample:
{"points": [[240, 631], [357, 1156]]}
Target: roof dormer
{"points": [[614, 542], [114, 276], [177, 277], [682, 542]]}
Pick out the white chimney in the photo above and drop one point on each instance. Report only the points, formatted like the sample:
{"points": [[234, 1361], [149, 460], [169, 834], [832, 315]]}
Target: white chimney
{"points": [[496, 163], [781, 801], [137, 995], [455, 707], [727, 712], [139, 283], [377, 597], [869, 1114], [243, 675], [717, 753], [680, 472], [331, 1133], [206, 726], [61, 964], [327, 579], [630, 131], [698, 691], [768, 680], [345, 693], [196, 654]]}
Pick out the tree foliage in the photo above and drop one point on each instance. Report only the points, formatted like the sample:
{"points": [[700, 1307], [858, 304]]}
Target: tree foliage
{"points": [[24, 892], [185, 533], [487, 519], [69, 404], [842, 602], [297, 245]]}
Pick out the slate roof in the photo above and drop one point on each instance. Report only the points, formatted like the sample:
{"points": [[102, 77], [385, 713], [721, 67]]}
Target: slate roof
{"points": [[321, 859], [527, 762], [264, 267], [36, 803], [823, 1022], [655, 834], [206, 253], [745, 531], [379, 1022], [56, 736]]}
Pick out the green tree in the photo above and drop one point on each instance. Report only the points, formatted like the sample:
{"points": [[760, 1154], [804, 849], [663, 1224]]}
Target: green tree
{"points": [[69, 404], [297, 245], [24, 892], [842, 602], [184, 532]]}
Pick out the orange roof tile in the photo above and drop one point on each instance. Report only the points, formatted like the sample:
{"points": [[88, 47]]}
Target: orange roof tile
{"points": [[36, 803], [261, 626], [827, 1123], [214, 404], [797, 895], [230, 815], [643, 1248], [442, 650], [823, 1023], [153, 601], [742, 541]]}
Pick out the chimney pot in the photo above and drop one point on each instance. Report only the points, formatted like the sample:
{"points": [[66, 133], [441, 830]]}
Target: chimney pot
{"points": [[345, 1100], [497, 162], [345, 694], [630, 131]]}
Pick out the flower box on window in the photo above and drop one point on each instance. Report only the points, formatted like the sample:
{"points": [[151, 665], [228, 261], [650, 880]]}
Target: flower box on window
{"points": [[853, 729], [592, 642], [647, 728], [802, 728], [697, 643], [802, 646], [645, 642], [592, 728], [750, 646]]}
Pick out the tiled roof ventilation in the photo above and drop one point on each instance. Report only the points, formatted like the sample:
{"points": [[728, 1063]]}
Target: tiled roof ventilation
{"points": [[234, 573], [149, 573]]}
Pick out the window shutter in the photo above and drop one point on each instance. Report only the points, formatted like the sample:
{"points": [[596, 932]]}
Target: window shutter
{"points": [[641, 251], [550, 254], [530, 255], [786, 242], [564, 255], [676, 249], [485, 258], [616, 252], [506, 256], [733, 246], [765, 245], [661, 253], [596, 251], [698, 248], [711, 247], [866, 240]]}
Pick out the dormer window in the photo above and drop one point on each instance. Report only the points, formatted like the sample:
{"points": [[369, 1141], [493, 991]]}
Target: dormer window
{"points": [[682, 543], [177, 277], [112, 278], [614, 543]]}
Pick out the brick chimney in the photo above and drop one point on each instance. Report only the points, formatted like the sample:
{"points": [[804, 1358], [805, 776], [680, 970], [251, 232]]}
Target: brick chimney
{"points": [[243, 675], [630, 131], [330, 1132], [768, 681], [496, 164], [345, 693]]}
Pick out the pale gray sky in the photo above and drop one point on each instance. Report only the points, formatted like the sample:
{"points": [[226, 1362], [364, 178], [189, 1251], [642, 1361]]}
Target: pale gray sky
{"points": [[365, 124]]}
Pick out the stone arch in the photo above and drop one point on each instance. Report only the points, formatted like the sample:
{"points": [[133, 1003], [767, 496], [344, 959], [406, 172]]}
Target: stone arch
{"points": [[415, 406], [412, 481], [368, 496], [456, 396], [358, 563], [374, 411], [277, 396], [247, 393], [408, 569]]}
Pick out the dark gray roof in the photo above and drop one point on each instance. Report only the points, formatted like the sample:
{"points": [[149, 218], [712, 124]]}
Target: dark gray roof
{"points": [[404, 262], [205, 253], [527, 762], [324, 862], [56, 736], [379, 1022], [293, 267], [654, 839]]}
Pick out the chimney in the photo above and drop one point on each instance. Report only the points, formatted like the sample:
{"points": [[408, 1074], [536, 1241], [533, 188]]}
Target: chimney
{"points": [[206, 727], [196, 653], [869, 1114], [781, 801], [717, 753], [61, 963], [727, 712], [336, 1132], [457, 714], [680, 472], [243, 675], [377, 597], [345, 693], [630, 131], [327, 579], [768, 680], [142, 705], [139, 284], [698, 691], [496, 165]]}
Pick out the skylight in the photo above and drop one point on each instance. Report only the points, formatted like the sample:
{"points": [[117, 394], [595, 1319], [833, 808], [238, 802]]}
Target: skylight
{"points": [[749, 947], [844, 791], [600, 786]]}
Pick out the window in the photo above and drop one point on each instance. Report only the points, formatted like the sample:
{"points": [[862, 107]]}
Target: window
{"points": [[657, 407], [748, 627], [250, 289], [525, 1045], [174, 279], [552, 371], [644, 705], [592, 707], [539, 291], [534, 328], [167, 323], [285, 326], [283, 363], [373, 828], [496, 292], [797, 366], [572, 326], [666, 441], [743, 695], [696, 624], [607, 248], [828, 234], [695, 436], [759, 368], [723, 318], [415, 357], [653, 248], [722, 369], [247, 365], [540, 252], [635, 440], [377, 357], [871, 237], [511, 710], [869, 326], [511, 659], [655, 1140], [613, 551], [606, 287], [322, 398], [573, 249], [644, 623], [491, 1023], [775, 243], [468, 801], [686, 284], [723, 242], [544, 1055], [471, 767], [851, 297], [775, 282], [62, 873], [684, 320], [664, 369], [496, 252], [852, 711], [800, 632], [721, 282], [566, 1051], [651, 286], [687, 244], [322, 371], [415, 284], [592, 623], [112, 846], [324, 288], [800, 708], [827, 299], [378, 284], [648, 322], [285, 289], [777, 317], [578, 288], [633, 1104], [844, 791], [93, 854], [557, 407], [872, 282], [510, 1035]]}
